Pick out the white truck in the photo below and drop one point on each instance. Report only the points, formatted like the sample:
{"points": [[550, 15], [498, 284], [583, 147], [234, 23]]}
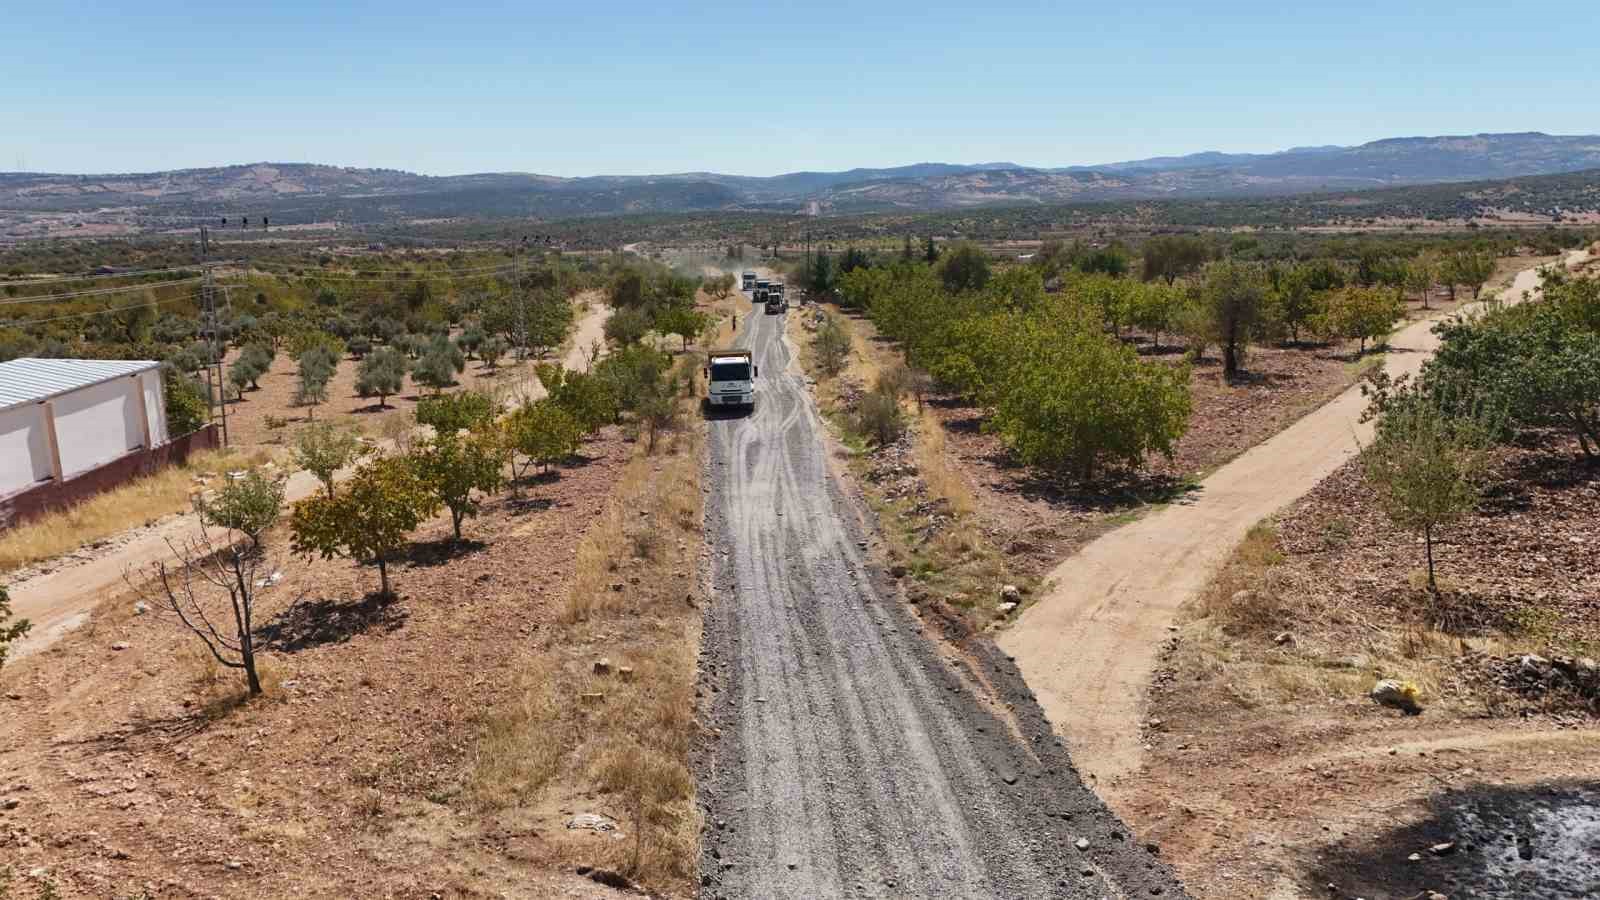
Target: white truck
{"points": [[731, 379], [747, 280]]}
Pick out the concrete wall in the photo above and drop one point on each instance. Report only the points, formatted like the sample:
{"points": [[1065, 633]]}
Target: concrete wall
{"points": [[155, 406], [24, 448], [50, 495], [94, 425], [97, 424]]}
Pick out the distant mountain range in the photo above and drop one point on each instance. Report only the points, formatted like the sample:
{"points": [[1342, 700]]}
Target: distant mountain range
{"points": [[303, 193]]}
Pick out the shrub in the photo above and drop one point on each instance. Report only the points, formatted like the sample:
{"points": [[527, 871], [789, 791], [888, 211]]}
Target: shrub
{"points": [[185, 401], [832, 345], [878, 418]]}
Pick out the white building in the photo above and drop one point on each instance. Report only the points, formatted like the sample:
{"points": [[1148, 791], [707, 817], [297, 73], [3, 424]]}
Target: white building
{"points": [[61, 418]]}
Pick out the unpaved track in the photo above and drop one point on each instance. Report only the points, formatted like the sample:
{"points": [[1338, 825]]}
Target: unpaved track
{"points": [[60, 601], [1089, 647], [852, 759]]}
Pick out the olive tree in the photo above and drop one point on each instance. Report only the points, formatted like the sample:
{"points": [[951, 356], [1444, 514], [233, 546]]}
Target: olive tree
{"points": [[382, 374], [1234, 296]]}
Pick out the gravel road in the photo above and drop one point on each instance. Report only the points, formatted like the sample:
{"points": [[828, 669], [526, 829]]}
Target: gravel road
{"points": [[852, 755]]}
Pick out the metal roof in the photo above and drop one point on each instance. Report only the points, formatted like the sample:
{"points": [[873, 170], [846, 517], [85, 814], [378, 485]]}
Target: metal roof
{"points": [[31, 380]]}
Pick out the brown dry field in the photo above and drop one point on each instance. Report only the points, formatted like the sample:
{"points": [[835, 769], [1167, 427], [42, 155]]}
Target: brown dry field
{"points": [[433, 746], [139, 767], [1269, 772]]}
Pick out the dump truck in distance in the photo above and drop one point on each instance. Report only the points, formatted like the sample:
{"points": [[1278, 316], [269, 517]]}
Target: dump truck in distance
{"points": [[731, 379], [747, 281]]}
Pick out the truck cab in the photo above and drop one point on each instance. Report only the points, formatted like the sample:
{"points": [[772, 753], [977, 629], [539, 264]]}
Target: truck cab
{"points": [[775, 292], [762, 287], [747, 281], [731, 379]]}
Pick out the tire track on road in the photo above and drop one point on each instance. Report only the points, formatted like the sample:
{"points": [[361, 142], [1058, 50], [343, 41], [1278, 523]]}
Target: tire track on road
{"points": [[850, 760]]}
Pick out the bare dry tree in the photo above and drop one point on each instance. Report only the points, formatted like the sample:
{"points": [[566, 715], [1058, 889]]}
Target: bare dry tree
{"points": [[209, 566]]}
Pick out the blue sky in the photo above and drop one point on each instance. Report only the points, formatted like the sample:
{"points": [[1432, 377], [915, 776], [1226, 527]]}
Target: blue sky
{"points": [[622, 87]]}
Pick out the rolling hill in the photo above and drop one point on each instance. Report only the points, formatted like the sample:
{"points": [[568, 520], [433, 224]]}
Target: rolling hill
{"points": [[292, 193]]}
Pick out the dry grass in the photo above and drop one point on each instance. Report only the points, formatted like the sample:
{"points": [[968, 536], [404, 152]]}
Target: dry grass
{"points": [[623, 734], [1265, 644], [936, 533], [115, 511]]}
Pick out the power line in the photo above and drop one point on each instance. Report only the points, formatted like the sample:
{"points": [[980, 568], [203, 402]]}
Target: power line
{"points": [[103, 312], [97, 292], [56, 279]]}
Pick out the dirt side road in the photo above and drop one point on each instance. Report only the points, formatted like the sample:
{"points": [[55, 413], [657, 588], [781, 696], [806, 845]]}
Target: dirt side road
{"points": [[1088, 648], [852, 757], [61, 600]]}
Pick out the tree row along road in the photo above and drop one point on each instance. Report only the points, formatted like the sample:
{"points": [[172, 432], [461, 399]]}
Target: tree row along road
{"points": [[852, 757], [60, 601], [1089, 647]]}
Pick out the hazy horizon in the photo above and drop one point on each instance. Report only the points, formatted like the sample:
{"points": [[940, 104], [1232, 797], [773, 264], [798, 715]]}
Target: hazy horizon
{"points": [[795, 171]]}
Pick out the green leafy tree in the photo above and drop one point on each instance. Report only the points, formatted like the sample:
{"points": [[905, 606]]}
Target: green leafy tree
{"points": [[454, 466], [1364, 314], [588, 398], [541, 433], [1075, 400], [930, 251], [316, 368], [10, 631], [472, 337], [1170, 257], [369, 519], [323, 450], [1424, 463], [550, 318], [683, 321], [832, 344], [360, 345], [463, 410], [1294, 303], [382, 374], [185, 402], [439, 365], [964, 267], [1155, 308], [627, 326], [1419, 277], [492, 350], [1234, 297]]}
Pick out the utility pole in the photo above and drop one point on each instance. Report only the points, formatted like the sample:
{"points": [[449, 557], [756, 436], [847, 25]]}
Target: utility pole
{"points": [[522, 301], [216, 400]]}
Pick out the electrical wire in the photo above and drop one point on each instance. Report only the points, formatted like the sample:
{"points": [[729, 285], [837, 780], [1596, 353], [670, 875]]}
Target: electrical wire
{"points": [[98, 292], [57, 279], [103, 312]]}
